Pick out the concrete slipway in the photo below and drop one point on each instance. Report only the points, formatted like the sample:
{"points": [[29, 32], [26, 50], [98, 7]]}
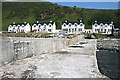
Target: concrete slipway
{"points": [[72, 62]]}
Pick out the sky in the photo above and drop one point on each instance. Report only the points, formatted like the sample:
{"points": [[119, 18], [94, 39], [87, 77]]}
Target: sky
{"points": [[92, 5]]}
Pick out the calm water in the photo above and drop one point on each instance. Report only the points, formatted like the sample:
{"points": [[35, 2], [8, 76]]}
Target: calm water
{"points": [[108, 63]]}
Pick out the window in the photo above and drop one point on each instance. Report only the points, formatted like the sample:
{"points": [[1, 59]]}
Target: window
{"points": [[49, 25], [39, 26], [69, 30], [22, 30], [34, 26], [65, 29], [96, 29], [95, 25], [105, 25], [105, 30], [81, 24], [49, 30], [70, 25], [72, 30], [109, 30], [44, 25], [75, 29], [64, 25], [110, 25], [80, 29], [101, 25], [43, 29], [75, 25]]}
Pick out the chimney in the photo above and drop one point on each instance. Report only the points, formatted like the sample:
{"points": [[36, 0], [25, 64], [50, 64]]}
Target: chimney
{"points": [[80, 20], [66, 21], [50, 21], [13, 22], [37, 21], [25, 22], [111, 22], [95, 21]]}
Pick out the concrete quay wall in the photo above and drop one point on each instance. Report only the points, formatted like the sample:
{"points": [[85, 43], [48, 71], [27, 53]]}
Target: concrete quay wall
{"points": [[14, 48]]}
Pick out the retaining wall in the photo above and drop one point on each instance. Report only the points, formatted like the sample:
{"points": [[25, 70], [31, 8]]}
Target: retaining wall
{"points": [[14, 48]]}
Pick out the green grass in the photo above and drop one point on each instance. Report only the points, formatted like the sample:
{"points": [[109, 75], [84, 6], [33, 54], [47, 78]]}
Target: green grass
{"points": [[101, 35], [31, 12], [88, 27]]}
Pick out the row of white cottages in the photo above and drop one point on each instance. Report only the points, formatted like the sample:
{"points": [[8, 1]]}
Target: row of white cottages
{"points": [[67, 27]]}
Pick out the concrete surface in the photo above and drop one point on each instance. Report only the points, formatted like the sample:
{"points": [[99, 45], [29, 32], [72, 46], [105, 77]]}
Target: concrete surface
{"points": [[14, 48], [67, 63]]}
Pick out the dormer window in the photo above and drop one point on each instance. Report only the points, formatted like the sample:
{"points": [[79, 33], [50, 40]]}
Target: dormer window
{"points": [[105, 25], [39, 25], [44, 25], [18, 25], [64, 25], [95, 25], [49, 25], [110, 25], [81, 24], [34, 25], [101, 25], [75, 24], [70, 25]]}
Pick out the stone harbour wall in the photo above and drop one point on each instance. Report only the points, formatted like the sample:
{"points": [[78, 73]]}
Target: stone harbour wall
{"points": [[14, 48]]}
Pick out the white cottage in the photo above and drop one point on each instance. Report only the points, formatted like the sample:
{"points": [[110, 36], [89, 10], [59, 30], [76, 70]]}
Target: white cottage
{"points": [[19, 27], [44, 27], [88, 31], [73, 27], [104, 28]]}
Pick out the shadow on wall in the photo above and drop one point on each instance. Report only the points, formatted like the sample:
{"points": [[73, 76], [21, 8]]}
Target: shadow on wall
{"points": [[108, 63]]}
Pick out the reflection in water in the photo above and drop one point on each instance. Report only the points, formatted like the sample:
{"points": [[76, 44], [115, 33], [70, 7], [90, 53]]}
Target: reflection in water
{"points": [[108, 63]]}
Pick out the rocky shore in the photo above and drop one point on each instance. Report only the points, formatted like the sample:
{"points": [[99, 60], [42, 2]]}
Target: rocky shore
{"points": [[108, 44]]}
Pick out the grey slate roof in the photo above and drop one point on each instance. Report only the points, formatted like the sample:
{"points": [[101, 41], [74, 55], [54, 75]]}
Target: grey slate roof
{"points": [[18, 24], [71, 23], [42, 23], [99, 22]]}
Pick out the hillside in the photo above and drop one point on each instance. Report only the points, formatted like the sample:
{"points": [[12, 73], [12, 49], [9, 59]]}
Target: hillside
{"points": [[46, 11]]}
